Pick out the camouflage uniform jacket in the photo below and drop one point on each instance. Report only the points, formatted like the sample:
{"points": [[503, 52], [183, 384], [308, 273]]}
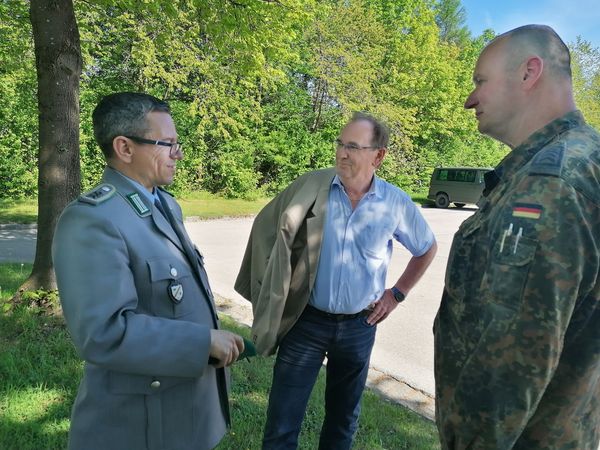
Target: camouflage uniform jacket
{"points": [[517, 335]]}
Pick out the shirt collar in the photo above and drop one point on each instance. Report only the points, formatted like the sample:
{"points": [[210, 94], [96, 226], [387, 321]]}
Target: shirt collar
{"points": [[374, 189], [150, 196]]}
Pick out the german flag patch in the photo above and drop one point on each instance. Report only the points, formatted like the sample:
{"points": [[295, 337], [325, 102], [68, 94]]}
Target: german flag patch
{"points": [[527, 211]]}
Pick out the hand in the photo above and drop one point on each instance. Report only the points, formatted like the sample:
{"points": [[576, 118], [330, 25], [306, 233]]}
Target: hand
{"points": [[382, 308], [225, 347]]}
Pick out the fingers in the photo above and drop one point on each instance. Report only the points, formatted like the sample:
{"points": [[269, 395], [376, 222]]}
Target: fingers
{"points": [[382, 309], [225, 347], [378, 314], [240, 344]]}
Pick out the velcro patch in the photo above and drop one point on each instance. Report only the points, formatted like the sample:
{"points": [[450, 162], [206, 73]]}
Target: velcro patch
{"points": [[527, 211], [98, 195], [548, 161]]}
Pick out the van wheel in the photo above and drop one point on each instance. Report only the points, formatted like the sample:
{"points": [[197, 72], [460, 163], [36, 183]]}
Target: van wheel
{"points": [[441, 200], [459, 205]]}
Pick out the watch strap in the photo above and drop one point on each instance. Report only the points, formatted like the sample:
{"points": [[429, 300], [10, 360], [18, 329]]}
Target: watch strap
{"points": [[398, 294]]}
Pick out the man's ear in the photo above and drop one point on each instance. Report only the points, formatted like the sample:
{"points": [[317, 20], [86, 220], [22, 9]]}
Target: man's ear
{"points": [[533, 68], [122, 149], [379, 158]]}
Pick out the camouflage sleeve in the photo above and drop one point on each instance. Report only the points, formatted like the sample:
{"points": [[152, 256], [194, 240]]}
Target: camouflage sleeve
{"points": [[542, 262]]}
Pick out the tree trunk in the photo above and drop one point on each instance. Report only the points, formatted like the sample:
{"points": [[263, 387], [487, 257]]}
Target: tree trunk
{"points": [[58, 64]]}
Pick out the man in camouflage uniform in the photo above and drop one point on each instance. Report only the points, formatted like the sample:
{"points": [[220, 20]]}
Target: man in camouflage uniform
{"points": [[517, 335]]}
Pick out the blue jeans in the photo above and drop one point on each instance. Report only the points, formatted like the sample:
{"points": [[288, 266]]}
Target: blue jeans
{"points": [[347, 345]]}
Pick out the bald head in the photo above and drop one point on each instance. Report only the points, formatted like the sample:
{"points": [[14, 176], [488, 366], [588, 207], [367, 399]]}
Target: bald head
{"points": [[522, 82], [539, 40]]}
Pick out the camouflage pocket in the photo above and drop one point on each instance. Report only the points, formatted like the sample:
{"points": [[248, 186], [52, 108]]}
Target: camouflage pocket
{"points": [[460, 259], [509, 269]]}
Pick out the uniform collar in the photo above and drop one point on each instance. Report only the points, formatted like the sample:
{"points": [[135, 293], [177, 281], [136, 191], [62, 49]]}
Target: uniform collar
{"points": [[127, 185], [522, 154]]}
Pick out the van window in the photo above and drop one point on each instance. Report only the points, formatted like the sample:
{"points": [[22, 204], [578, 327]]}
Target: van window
{"points": [[465, 175]]}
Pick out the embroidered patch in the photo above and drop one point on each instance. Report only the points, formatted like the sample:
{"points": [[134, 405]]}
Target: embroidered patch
{"points": [[527, 211], [138, 205]]}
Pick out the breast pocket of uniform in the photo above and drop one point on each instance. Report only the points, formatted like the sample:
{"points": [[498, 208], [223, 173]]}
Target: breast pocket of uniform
{"points": [[173, 288], [510, 264], [462, 257]]}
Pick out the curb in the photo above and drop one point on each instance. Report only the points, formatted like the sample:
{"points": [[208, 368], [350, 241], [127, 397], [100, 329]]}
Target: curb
{"points": [[18, 226]]}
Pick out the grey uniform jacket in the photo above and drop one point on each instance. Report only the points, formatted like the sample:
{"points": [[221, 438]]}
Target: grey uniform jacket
{"points": [[121, 269]]}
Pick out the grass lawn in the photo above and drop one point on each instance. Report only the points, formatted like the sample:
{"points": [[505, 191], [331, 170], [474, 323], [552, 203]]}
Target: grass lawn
{"points": [[18, 211], [40, 372], [197, 204]]}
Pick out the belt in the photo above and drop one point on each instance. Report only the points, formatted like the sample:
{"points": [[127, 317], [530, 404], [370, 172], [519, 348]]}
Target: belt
{"points": [[336, 317]]}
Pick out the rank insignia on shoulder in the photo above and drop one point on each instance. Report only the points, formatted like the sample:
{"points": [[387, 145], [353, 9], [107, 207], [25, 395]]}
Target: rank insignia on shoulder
{"points": [[138, 204], [548, 161], [527, 211], [98, 195]]}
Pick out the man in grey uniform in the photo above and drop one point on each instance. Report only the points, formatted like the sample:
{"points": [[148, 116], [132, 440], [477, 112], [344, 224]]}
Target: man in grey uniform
{"points": [[136, 297]]}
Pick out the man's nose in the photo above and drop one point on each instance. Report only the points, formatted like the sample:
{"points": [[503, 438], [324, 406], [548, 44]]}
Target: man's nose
{"points": [[470, 102]]}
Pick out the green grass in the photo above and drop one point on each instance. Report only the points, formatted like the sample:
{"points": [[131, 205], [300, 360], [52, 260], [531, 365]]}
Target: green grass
{"points": [[40, 372], [209, 206], [18, 211], [198, 204]]}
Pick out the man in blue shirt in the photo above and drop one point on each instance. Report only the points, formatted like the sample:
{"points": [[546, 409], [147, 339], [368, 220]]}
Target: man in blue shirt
{"points": [[344, 299]]}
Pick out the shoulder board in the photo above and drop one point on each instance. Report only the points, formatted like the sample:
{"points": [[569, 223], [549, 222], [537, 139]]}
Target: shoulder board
{"points": [[165, 191], [138, 205], [98, 195], [548, 161]]}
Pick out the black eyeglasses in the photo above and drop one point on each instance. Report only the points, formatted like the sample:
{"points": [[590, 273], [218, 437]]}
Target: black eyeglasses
{"points": [[351, 147], [175, 147]]}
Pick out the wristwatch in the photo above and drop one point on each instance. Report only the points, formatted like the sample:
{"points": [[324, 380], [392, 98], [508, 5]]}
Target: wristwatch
{"points": [[398, 294]]}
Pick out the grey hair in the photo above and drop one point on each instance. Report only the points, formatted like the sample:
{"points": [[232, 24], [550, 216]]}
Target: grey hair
{"points": [[381, 133], [123, 114]]}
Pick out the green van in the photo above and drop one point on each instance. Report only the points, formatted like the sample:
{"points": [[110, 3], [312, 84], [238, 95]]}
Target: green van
{"points": [[458, 185]]}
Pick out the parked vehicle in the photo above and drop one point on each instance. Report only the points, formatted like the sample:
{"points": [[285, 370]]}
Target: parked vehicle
{"points": [[458, 185]]}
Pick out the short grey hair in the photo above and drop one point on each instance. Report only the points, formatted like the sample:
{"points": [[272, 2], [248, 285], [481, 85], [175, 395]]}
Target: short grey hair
{"points": [[381, 133], [540, 40], [123, 114]]}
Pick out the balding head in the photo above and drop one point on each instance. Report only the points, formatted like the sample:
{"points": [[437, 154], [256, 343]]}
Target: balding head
{"points": [[522, 82], [538, 40]]}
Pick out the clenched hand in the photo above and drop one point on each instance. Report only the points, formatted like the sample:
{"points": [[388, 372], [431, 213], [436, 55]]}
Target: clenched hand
{"points": [[225, 347]]}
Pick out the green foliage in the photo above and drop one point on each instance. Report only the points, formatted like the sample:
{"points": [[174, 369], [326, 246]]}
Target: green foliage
{"points": [[18, 117], [586, 80], [259, 89]]}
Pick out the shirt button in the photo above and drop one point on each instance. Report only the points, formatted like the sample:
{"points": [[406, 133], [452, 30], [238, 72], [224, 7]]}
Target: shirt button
{"points": [[155, 384], [173, 272]]}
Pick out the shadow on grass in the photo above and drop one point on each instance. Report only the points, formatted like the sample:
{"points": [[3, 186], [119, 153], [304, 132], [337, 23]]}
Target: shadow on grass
{"points": [[40, 373]]}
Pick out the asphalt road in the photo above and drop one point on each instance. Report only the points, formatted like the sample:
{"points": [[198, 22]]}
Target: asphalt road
{"points": [[404, 344]]}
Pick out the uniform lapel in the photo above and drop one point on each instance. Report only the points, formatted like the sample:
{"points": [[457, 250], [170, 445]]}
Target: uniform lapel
{"points": [[189, 251]]}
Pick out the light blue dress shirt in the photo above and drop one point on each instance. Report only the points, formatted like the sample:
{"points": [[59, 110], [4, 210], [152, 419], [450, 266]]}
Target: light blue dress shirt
{"points": [[357, 245], [147, 195]]}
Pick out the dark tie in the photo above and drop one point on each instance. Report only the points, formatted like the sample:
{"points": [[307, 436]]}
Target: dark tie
{"points": [[160, 208]]}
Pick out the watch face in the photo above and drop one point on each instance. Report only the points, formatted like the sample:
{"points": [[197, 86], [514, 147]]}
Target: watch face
{"points": [[398, 295]]}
